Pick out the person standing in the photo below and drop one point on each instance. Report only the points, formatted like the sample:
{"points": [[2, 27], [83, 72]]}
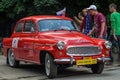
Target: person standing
{"points": [[80, 20], [85, 21], [87, 16], [99, 27], [115, 27]]}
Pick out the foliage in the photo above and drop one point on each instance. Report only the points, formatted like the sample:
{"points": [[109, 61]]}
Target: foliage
{"points": [[12, 10], [46, 6]]}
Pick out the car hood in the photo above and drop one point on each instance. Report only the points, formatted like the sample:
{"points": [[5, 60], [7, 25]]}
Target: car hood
{"points": [[70, 37]]}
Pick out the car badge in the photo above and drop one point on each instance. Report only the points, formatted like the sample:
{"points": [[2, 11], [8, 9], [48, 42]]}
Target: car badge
{"points": [[82, 41]]}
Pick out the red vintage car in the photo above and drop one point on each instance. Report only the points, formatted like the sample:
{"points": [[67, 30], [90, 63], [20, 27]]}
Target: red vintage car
{"points": [[55, 42]]}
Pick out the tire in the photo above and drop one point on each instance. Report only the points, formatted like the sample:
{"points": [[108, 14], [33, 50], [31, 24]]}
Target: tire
{"points": [[11, 59], [50, 66], [98, 68]]}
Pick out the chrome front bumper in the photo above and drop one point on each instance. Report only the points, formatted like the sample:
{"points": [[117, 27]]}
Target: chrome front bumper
{"points": [[71, 61]]}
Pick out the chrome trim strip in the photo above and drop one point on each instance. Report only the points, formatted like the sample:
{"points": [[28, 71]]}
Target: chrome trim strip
{"points": [[73, 60], [37, 44], [105, 59], [63, 60]]}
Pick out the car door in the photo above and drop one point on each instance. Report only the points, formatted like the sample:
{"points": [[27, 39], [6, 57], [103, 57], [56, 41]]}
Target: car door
{"points": [[29, 34], [16, 39]]}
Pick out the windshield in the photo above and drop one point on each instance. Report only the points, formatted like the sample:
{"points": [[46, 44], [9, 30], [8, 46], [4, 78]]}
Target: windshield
{"points": [[48, 25]]}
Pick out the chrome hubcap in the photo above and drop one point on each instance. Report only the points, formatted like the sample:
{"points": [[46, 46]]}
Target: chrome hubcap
{"points": [[48, 67], [11, 58]]}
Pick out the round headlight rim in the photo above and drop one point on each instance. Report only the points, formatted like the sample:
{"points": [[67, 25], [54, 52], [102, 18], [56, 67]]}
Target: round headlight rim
{"points": [[108, 44], [59, 45]]}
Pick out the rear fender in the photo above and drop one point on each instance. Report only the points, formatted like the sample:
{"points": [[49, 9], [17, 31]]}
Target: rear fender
{"points": [[7, 44]]}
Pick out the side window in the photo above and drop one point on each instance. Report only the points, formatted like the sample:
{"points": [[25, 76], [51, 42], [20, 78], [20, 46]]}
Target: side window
{"points": [[29, 27], [19, 27]]}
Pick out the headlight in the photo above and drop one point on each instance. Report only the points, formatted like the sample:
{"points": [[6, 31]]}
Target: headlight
{"points": [[108, 44], [60, 45]]}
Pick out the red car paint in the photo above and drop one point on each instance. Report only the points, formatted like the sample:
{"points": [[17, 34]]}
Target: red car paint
{"points": [[30, 44]]}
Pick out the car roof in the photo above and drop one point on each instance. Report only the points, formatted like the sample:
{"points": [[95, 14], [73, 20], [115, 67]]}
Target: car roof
{"points": [[42, 17]]}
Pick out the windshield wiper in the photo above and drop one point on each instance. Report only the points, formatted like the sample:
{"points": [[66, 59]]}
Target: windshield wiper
{"points": [[61, 29], [74, 30], [66, 30]]}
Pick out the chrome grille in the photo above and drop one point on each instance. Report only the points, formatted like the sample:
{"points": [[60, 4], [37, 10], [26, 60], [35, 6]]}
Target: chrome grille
{"points": [[84, 50]]}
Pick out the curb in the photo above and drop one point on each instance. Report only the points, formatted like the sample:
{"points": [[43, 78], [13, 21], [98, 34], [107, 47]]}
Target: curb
{"points": [[112, 67]]}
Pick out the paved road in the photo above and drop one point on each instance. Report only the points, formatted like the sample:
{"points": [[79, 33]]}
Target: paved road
{"points": [[35, 72]]}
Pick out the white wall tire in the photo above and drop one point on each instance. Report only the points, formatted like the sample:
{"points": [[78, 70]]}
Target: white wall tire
{"points": [[50, 66], [11, 59]]}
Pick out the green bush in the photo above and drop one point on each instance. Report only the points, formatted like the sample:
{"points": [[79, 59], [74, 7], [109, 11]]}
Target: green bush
{"points": [[12, 10]]}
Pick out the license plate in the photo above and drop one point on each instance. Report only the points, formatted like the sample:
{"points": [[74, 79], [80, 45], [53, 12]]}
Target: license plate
{"points": [[86, 61]]}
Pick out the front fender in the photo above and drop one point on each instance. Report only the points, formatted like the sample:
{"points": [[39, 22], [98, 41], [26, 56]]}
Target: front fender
{"points": [[48, 48], [101, 42], [45, 47]]}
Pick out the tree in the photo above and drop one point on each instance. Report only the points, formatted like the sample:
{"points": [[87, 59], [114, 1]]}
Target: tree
{"points": [[12, 10]]}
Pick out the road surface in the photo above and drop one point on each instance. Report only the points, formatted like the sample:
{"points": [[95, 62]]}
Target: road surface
{"points": [[35, 72]]}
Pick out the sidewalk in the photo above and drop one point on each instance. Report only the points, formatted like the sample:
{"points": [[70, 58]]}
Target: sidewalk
{"points": [[115, 64], [112, 67]]}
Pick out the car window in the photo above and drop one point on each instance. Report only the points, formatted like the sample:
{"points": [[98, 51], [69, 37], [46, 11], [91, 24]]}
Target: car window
{"points": [[48, 25], [19, 27], [29, 27]]}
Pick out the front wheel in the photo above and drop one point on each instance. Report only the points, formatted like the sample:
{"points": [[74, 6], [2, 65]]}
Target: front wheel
{"points": [[11, 59], [50, 66], [98, 68]]}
